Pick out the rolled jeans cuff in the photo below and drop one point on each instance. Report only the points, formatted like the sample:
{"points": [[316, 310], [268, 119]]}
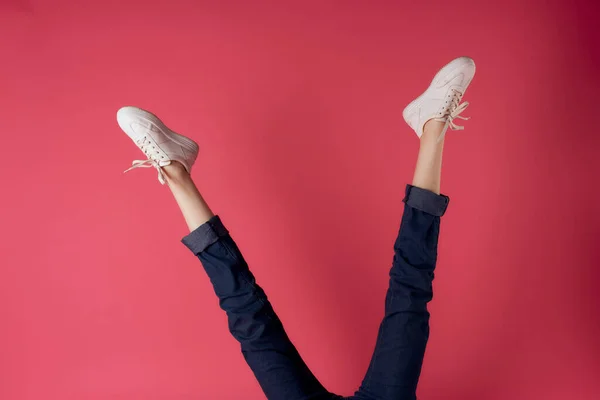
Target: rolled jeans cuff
{"points": [[426, 200], [205, 235]]}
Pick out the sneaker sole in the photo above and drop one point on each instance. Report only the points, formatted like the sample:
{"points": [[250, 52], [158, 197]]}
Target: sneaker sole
{"points": [[153, 119], [439, 77]]}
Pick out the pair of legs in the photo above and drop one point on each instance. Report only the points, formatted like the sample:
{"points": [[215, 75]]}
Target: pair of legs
{"points": [[396, 363]]}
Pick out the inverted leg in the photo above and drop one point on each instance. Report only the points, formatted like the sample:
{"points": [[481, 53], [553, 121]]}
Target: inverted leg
{"points": [[428, 171], [398, 356], [273, 358]]}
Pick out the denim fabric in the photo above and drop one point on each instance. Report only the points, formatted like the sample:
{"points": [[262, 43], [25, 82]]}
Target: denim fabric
{"points": [[395, 366]]}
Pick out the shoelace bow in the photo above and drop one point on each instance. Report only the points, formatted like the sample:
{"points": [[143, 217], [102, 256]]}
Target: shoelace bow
{"points": [[453, 112], [150, 162]]}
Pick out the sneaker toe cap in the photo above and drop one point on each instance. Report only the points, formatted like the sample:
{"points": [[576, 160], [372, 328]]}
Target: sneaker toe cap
{"points": [[130, 123]]}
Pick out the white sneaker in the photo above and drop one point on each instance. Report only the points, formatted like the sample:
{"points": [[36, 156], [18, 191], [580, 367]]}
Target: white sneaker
{"points": [[160, 144], [441, 100]]}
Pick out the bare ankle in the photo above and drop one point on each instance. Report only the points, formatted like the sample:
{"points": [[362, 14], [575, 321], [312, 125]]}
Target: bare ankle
{"points": [[175, 171], [432, 128]]}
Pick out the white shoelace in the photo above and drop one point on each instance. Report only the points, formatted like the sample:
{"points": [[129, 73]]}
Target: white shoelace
{"points": [[150, 162], [453, 112]]}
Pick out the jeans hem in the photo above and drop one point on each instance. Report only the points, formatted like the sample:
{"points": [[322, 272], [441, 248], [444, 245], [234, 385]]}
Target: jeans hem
{"points": [[205, 235], [426, 200]]}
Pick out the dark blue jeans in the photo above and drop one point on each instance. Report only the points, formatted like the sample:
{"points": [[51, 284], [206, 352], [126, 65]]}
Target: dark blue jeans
{"points": [[396, 363]]}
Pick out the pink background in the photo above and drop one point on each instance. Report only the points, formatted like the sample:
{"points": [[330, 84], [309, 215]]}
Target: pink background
{"points": [[304, 153]]}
